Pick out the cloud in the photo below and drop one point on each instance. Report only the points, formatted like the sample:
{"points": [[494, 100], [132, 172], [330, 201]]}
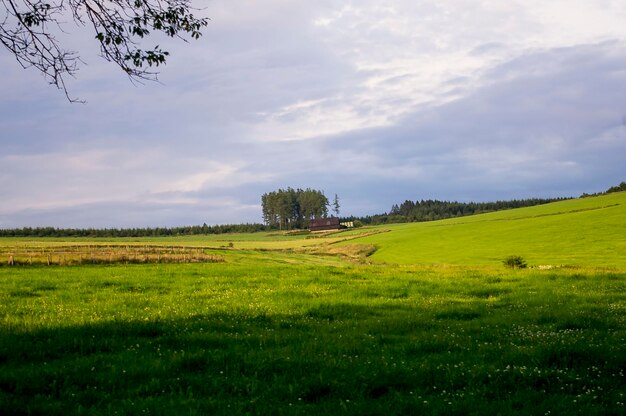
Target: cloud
{"points": [[546, 118]]}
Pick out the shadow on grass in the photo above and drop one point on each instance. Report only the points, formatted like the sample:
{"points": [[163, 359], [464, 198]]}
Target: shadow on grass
{"points": [[328, 359]]}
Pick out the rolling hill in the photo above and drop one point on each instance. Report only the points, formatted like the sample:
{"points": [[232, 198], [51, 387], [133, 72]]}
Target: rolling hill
{"points": [[579, 232]]}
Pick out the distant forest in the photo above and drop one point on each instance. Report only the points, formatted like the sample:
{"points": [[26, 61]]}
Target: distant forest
{"points": [[432, 210], [132, 232], [408, 211]]}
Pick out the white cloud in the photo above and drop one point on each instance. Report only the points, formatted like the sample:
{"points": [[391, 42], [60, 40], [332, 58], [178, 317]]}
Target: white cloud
{"points": [[406, 54], [219, 176]]}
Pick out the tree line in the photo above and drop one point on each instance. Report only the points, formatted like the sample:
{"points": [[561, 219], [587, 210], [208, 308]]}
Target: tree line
{"points": [[431, 210], [295, 208], [132, 232], [617, 188]]}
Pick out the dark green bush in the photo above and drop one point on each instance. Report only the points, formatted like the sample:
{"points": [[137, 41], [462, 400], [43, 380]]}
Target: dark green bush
{"points": [[515, 262]]}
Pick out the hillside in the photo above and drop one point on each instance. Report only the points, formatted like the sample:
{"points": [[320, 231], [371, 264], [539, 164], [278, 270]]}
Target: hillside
{"points": [[580, 232]]}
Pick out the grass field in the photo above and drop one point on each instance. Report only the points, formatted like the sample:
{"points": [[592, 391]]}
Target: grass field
{"points": [[286, 324], [583, 232]]}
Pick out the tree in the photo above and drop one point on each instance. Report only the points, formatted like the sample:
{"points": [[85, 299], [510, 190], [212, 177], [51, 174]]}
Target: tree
{"points": [[308, 201], [336, 205], [313, 204], [28, 27]]}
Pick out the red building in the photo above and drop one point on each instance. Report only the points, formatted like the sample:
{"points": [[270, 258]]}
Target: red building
{"points": [[325, 224]]}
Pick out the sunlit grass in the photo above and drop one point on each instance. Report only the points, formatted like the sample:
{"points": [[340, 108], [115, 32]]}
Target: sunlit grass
{"points": [[582, 232], [271, 337]]}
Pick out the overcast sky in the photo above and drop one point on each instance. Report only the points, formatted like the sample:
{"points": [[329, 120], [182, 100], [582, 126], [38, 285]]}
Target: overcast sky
{"points": [[455, 100]]}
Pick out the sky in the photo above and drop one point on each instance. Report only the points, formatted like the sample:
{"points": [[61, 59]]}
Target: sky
{"points": [[377, 102]]}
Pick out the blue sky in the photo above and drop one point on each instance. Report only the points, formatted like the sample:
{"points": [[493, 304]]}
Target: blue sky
{"points": [[456, 100]]}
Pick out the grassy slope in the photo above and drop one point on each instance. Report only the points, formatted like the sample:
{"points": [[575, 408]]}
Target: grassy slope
{"points": [[585, 232]]}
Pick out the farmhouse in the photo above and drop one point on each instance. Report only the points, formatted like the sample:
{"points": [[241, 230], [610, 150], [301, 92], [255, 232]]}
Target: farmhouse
{"points": [[325, 224]]}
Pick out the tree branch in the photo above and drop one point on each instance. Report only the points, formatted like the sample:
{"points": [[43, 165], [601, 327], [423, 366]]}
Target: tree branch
{"points": [[119, 26]]}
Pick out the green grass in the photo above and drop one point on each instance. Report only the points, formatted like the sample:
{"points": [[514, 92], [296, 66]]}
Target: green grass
{"points": [[269, 337], [583, 232]]}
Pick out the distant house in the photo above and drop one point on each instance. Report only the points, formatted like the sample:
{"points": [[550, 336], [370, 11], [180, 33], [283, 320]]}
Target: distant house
{"points": [[325, 224]]}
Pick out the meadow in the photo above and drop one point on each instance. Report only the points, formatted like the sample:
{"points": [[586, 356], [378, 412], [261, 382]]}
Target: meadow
{"points": [[580, 232], [300, 324]]}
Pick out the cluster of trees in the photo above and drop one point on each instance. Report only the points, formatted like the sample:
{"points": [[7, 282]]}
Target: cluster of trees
{"points": [[430, 210], [619, 188], [131, 232], [294, 208]]}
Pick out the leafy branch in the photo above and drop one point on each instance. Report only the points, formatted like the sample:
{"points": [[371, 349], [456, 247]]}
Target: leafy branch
{"points": [[27, 31]]}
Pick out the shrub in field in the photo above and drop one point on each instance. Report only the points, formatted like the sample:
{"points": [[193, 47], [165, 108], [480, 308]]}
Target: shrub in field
{"points": [[515, 262]]}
